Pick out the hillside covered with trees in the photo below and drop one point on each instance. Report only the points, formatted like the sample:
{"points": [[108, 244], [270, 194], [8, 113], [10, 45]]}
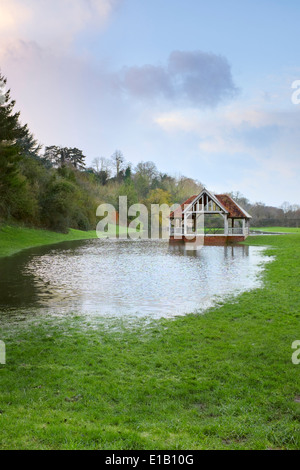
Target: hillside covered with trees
{"points": [[53, 188]]}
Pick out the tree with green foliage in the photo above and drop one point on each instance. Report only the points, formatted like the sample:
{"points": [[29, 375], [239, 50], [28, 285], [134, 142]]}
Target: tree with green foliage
{"points": [[12, 133], [29, 146], [159, 196], [10, 128], [62, 156], [144, 177], [76, 157]]}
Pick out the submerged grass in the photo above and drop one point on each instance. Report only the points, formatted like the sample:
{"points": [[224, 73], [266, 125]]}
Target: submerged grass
{"points": [[223, 380]]}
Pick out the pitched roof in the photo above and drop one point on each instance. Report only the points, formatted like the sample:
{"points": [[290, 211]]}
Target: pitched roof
{"points": [[235, 211], [179, 211], [233, 208]]}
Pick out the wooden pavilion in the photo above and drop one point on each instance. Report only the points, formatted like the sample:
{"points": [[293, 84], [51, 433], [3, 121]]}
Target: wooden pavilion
{"points": [[216, 217]]}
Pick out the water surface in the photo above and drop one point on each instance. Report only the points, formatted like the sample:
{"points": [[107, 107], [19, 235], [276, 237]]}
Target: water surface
{"points": [[100, 278]]}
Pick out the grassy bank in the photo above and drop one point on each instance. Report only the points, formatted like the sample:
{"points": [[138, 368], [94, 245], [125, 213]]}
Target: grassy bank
{"points": [[277, 229], [223, 380], [14, 238]]}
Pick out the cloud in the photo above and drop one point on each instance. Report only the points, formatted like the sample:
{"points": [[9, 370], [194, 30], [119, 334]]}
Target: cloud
{"points": [[71, 98], [51, 22], [59, 95], [196, 79], [256, 146], [247, 126], [12, 15], [50, 77]]}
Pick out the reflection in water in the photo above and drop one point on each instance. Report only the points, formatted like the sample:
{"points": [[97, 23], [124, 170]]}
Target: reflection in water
{"points": [[125, 278]]}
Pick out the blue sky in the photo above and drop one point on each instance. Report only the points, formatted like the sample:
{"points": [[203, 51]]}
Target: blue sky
{"points": [[200, 88]]}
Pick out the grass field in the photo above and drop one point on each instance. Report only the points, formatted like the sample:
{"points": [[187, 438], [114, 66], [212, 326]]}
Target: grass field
{"points": [[278, 229], [223, 380], [15, 238]]}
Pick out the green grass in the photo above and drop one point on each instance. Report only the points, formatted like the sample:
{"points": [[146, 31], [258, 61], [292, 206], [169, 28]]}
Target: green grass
{"points": [[15, 238], [223, 380], [278, 229]]}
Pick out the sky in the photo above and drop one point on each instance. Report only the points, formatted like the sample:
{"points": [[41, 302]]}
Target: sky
{"points": [[202, 89]]}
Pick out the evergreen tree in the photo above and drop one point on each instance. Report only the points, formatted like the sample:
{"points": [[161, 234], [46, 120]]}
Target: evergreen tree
{"points": [[62, 156], [29, 146], [11, 132], [77, 158], [10, 128]]}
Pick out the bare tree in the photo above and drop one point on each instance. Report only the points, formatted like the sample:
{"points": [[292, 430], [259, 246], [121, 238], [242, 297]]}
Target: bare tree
{"points": [[286, 207], [118, 161], [102, 164]]}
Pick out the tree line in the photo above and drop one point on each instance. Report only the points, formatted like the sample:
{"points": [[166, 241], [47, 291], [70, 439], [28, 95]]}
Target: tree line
{"points": [[55, 189], [288, 215]]}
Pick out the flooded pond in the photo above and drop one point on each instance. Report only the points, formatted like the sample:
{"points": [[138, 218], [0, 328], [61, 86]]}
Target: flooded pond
{"points": [[100, 278]]}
